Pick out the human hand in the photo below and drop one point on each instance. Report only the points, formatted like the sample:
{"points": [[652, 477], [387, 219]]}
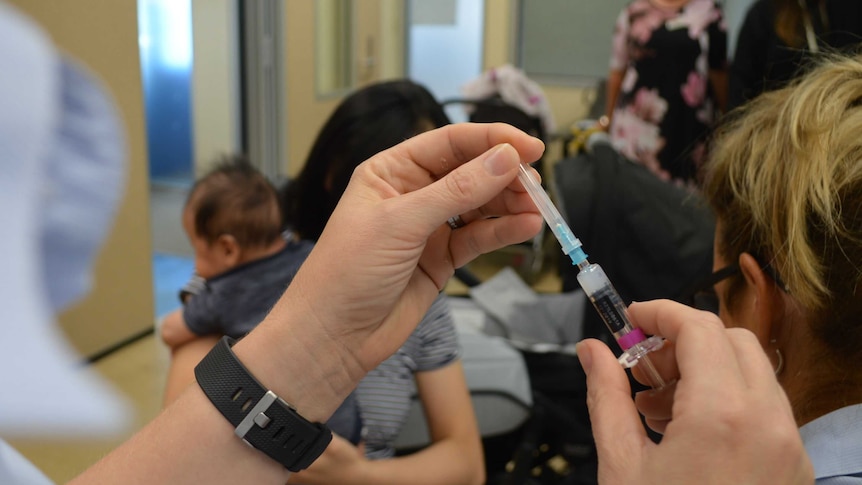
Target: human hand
{"points": [[602, 124], [387, 250], [340, 463], [730, 421], [174, 331]]}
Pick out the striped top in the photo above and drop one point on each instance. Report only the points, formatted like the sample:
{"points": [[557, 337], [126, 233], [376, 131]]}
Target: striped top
{"points": [[385, 393]]}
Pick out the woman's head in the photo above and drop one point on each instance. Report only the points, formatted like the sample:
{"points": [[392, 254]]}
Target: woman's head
{"points": [[785, 181], [367, 122]]}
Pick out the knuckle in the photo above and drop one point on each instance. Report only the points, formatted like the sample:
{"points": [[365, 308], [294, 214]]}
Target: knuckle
{"points": [[710, 321], [460, 186], [741, 336], [734, 417]]}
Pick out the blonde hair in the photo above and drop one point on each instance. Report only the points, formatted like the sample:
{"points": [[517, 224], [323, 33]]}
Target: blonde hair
{"points": [[785, 181]]}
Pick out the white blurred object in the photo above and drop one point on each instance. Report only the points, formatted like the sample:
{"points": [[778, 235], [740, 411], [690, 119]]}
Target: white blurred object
{"points": [[516, 89], [53, 136]]}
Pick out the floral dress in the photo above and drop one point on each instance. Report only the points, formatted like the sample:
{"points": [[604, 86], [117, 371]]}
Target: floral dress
{"points": [[665, 105]]}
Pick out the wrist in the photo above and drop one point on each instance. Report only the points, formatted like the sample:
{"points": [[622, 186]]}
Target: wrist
{"points": [[604, 122], [259, 415], [368, 471], [291, 356]]}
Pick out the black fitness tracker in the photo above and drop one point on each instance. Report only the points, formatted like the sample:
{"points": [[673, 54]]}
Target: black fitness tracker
{"points": [[260, 418]]}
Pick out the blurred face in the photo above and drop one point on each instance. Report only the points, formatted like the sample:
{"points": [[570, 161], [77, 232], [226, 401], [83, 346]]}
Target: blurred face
{"points": [[211, 259]]}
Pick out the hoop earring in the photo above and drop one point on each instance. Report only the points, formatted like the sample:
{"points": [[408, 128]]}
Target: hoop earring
{"points": [[780, 366]]}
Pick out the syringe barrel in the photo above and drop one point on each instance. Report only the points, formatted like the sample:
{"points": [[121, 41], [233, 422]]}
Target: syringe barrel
{"points": [[614, 312], [606, 300]]}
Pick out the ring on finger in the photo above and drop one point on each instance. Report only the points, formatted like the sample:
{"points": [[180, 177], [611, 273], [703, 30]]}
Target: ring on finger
{"points": [[456, 222]]}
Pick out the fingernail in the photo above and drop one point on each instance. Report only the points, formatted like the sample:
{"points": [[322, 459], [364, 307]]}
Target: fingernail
{"points": [[584, 356], [499, 161]]}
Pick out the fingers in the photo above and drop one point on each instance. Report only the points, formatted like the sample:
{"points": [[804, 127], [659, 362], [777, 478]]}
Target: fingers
{"points": [[753, 362], [656, 406], [664, 361], [440, 151], [513, 200], [466, 188], [455, 170], [756, 366], [703, 352], [617, 428], [485, 235]]}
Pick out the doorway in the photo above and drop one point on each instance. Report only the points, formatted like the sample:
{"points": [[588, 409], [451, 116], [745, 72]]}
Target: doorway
{"points": [[445, 46], [190, 66]]}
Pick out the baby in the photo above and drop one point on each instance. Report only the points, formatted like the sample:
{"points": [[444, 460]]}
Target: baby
{"points": [[243, 264]]}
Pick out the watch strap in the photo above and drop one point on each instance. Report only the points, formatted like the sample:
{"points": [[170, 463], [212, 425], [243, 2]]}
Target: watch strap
{"points": [[259, 416]]}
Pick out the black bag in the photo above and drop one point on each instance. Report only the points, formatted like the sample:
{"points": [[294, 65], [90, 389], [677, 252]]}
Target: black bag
{"points": [[652, 238]]}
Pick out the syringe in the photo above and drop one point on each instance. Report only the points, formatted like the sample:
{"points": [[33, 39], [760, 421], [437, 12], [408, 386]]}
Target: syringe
{"points": [[598, 288]]}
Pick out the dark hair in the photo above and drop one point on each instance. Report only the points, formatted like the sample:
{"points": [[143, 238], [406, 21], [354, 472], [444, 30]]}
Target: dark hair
{"points": [[237, 199], [367, 122]]}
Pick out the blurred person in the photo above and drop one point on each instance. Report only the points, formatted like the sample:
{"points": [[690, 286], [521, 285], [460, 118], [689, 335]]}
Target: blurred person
{"points": [[356, 311], [780, 38], [243, 263], [369, 121], [785, 181], [667, 80]]}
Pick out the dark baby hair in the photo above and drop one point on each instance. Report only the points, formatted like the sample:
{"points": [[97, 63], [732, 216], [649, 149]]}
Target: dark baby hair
{"points": [[237, 199]]}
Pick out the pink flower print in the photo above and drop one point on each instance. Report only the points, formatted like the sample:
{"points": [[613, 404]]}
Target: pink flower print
{"points": [[698, 14], [638, 140], [706, 113], [645, 19], [649, 106], [629, 80], [694, 90]]}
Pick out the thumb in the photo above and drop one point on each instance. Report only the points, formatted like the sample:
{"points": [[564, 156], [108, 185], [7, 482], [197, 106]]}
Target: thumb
{"points": [[468, 187], [617, 428]]}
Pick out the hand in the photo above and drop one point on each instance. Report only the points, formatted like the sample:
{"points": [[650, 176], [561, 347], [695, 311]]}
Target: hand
{"points": [[603, 123], [174, 330], [387, 251], [730, 421], [341, 463]]}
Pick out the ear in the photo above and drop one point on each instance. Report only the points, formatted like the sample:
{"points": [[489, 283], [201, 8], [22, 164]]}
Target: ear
{"points": [[229, 250], [766, 306]]}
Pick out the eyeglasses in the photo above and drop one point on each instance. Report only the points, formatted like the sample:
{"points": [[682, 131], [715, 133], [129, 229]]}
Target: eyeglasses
{"points": [[704, 297]]}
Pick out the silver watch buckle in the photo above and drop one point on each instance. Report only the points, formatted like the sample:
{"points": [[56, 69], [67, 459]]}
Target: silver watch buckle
{"points": [[257, 415]]}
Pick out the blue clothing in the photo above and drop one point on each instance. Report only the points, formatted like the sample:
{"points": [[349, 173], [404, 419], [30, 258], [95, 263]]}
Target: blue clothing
{"points": [[234, 302], [834, 444]]}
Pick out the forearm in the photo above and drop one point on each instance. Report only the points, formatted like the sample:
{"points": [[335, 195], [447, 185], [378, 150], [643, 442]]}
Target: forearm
{"points": [[615, 82], [191, 442], [444, 462], [718, 80], [182, 370]]}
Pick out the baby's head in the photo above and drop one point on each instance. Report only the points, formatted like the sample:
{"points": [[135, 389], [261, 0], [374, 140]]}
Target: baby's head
{"points": [[231, 217]]}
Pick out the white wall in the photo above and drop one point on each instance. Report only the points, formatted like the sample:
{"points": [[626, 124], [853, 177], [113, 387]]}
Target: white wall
{"points": [[734, 14], [444, 56], [215, 98]]}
